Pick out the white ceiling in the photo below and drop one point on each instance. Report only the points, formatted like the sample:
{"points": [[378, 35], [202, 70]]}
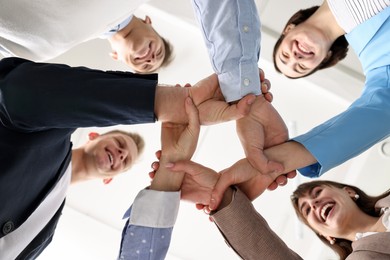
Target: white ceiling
{"points": [[90, 227]]}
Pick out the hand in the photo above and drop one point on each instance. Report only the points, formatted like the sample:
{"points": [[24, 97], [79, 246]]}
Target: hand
{"points": [[262, 128], [178, 143], [198, 182], [246, 177], [180, 140], [212, 107], [265, 86]]}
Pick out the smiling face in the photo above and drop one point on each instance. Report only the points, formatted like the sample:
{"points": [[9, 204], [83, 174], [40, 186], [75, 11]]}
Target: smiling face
{"points": [[328, 210], [141, 47], [302, 49], [110, 154]]}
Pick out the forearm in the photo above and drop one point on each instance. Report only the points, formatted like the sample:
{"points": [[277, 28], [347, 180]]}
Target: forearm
{"points": [[292, 155], [169, 104], [166, 180], [247, 232]]}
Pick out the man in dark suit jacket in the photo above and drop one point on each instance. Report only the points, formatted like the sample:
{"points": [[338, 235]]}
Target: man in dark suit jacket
{"points": [[41, 105]]}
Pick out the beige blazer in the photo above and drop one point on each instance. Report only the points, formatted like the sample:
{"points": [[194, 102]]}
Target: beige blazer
{"points": [[249, 235]]}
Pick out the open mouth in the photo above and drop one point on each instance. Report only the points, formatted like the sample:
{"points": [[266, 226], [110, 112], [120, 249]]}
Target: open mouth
{"points": [[326, 210], [304, 49], [110, 158]]}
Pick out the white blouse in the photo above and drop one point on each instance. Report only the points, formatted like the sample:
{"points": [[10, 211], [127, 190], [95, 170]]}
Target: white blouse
{"points": [[385, 222]]}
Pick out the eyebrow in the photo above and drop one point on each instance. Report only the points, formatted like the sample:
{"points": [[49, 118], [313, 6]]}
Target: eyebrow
{"points": [[304, 203]]}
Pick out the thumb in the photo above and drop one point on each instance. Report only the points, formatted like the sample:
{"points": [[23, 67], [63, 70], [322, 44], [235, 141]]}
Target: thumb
{"points": [[186, 166], [223, 183], [265, 166]]}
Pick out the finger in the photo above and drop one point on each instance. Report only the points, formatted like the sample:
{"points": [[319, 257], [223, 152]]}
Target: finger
{"points": [[155, 165], [152, 174], [269, 97], [265, 166], [187, 85], [189, 167], [291, 174], [199, 206], [158, 154], [241, 109], [264, 87], [281, 180], [223, 183], [273, 186], [193, 117], [262, 75]]}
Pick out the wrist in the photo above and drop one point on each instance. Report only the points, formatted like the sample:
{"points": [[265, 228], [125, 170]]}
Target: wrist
{"points": [[227, 198], [169, 104], [165, 179]]}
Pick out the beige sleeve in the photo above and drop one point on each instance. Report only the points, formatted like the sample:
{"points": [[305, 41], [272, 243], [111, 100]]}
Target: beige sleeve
{"points": [[247, 232]]}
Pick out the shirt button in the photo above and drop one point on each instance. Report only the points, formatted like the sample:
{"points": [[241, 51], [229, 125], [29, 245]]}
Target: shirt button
{"points": [[246, 82], [246, 28], [8, 227]]}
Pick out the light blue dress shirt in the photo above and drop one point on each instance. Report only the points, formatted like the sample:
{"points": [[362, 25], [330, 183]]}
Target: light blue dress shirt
{"points": [[367, 120], [231, 30], [147, 232]]}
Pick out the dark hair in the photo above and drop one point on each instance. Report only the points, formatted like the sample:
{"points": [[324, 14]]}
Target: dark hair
{"points": [[339, 47], [168, 53], [365, 202], [138, 140]]}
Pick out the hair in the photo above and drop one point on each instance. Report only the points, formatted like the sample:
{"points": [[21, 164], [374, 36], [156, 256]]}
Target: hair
{"points": [[339, 48], [365, 202], [138, 140], [168, 57]]}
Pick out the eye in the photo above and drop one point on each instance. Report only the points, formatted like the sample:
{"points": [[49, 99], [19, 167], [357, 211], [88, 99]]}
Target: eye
{"points": [[317, 192], [119, 142], [307, 211], [284, 54]]}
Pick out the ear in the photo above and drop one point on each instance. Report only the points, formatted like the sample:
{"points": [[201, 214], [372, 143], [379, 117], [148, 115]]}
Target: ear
{"points": [[93, 135], [114, 55], [107, 180], [351, 192], [148, 20], [288, 28], [331, 240]]}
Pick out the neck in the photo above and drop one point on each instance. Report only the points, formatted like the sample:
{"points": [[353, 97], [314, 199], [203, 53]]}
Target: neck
{"points": [[330, 28], [364, 223], [79, 171]]}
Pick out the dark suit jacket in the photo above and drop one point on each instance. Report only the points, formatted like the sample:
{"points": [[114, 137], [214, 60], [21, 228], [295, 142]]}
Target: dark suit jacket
{"points": [[40, 107], [247, 232]]}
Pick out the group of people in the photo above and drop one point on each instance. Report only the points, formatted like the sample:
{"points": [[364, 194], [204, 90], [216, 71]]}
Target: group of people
{"points": [[42, 104]]}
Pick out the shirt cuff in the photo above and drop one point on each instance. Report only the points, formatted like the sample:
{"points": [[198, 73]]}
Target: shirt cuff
{"points": [[237, 84], [157, 209]]}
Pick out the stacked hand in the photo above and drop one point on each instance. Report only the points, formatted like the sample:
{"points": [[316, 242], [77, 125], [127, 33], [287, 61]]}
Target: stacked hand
{"points": [[211, 104], [178, 142]]}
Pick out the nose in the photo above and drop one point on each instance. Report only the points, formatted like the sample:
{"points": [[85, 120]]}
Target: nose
{"points": [[151, 59], [122, 154], [314, 204], [297, 55]]}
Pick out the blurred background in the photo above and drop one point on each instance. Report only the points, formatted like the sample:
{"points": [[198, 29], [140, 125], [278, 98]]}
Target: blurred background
{"points": [[91, 224]]}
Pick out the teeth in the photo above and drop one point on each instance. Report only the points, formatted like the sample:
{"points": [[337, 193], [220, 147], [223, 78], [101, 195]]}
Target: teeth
{"points": [[323, 211], [303, 48], [110, 157]]}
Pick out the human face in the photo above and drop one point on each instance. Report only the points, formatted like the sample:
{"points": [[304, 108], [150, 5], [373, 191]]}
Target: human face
{"points": [[110, 154], [303, 49], [328, 210], [142, 49]]}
